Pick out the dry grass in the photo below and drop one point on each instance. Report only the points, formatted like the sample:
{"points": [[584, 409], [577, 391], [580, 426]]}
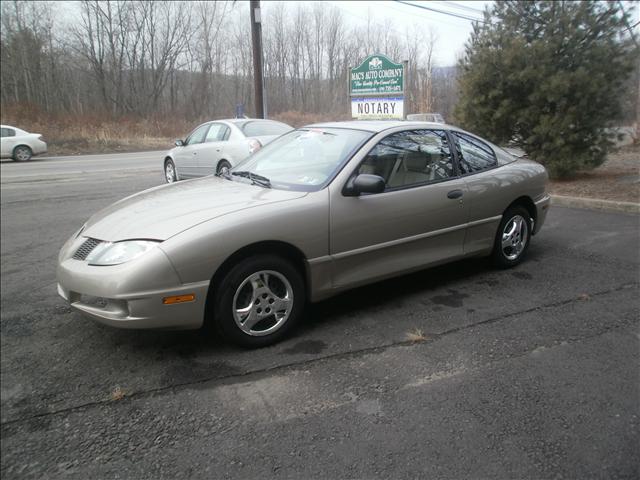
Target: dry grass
{"points": [[117, 394], [93, 133], [68, 134], [416, 335]]}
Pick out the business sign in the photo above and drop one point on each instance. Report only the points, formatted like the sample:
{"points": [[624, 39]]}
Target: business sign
{"points": [[374, 108], [376, 87], [376, 76]]}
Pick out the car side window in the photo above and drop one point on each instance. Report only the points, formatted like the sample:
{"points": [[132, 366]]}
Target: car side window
{"points": [[7, 132], [473, 154], [198, 135], [412, 157], [217, 133]]}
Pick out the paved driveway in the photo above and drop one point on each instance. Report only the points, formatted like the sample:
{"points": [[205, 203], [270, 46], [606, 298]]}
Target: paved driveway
{"points": [[531, 372]]}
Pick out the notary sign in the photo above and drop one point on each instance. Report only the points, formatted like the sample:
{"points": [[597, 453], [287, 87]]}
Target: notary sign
{"points": [[377, 89], [373, 108]]}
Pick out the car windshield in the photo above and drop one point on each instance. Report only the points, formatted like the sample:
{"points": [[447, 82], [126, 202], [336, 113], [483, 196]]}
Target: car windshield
{"points": [[259, 129], [304, 160]]}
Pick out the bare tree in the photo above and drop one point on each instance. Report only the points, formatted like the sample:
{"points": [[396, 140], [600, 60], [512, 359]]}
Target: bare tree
{"points": [[193, 59]]}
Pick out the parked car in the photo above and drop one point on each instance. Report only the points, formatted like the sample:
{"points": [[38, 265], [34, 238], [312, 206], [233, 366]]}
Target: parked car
{"points": [[426, 117], [214, 147], [320, 210], [20, 145]]}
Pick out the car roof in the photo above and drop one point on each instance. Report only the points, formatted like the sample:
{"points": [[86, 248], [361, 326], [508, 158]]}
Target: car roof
{"points": [[378, 125], [240, 121]]}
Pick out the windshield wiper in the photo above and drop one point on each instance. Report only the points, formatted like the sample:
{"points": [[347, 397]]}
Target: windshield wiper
{"points": [[254, 177]]}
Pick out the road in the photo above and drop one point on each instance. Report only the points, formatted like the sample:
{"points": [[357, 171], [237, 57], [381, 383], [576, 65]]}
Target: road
{"points": [[526, 373], [80, 166]]}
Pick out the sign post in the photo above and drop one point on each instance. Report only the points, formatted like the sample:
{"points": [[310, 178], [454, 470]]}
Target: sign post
{"points": [[377, 89]]}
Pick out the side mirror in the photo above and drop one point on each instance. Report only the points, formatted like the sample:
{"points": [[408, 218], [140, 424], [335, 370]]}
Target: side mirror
{"points": [[179, 143], [365, 183]]}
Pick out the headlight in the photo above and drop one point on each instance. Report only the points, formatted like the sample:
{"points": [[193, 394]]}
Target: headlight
{"points": [[119, 252]]}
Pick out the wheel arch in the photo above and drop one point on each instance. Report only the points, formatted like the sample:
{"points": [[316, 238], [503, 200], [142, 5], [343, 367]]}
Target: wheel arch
{"points": [[223, 160], [526, 202], [13, 151], [273, 247]]}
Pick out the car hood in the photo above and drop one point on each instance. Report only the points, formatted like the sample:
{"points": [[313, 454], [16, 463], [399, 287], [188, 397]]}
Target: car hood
{"points": [[162, 212]]}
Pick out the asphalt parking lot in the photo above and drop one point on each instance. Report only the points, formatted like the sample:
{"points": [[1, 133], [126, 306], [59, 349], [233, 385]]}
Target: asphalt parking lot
{"points": [[526, 373]]}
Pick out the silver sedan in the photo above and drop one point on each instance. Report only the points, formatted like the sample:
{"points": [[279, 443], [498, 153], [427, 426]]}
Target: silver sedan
{"points": [[320, 210], [217, 146]]}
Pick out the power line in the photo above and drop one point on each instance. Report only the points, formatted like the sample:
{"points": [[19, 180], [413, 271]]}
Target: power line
{"points": [[462, 7], [452, 14], [427, 16]]}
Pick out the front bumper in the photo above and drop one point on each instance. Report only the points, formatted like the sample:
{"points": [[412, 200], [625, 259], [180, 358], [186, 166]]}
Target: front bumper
{"points": [[131, 295]]}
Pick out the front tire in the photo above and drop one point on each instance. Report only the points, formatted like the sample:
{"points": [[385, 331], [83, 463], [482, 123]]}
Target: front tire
{"points": [[513, 237], [22, 153], [259, 301], [170, 175]]}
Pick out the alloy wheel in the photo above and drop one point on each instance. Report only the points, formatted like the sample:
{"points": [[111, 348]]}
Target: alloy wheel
{"points": [[262, 303], [514, 237]]}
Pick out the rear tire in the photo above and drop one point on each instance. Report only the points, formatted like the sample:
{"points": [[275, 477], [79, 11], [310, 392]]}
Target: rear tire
{"points": [[223, 166], [259, 301], [22, 153], [512, 238]]}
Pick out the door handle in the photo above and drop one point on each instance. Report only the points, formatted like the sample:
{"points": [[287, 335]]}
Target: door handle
{"points": [[453, 194]]}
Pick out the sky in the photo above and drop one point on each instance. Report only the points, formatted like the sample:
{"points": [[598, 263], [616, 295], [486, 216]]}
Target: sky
{"points": [[451, 32]]}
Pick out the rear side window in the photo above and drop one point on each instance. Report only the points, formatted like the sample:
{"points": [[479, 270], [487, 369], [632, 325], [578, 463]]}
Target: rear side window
{"points": [[473, 154], [217, 133], [412, 157], [7, 132], [258, 129]]}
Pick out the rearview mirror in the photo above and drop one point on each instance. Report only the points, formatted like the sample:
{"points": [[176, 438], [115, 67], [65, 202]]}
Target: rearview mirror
{"points": [[179, 143], [365, 183]]}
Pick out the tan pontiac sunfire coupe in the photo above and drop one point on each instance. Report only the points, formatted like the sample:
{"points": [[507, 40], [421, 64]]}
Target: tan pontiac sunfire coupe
{"points": [[322, 209]]}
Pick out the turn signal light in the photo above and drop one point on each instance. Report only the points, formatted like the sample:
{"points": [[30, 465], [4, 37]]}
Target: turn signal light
{"points": [[190, 297]]}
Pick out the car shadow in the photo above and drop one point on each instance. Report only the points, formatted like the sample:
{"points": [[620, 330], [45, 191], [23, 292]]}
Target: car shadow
{"points": [[188, 347], [393, 291]]}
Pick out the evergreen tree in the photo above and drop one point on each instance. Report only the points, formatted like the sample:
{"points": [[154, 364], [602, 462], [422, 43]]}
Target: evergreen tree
{"points": [[548, 76]]}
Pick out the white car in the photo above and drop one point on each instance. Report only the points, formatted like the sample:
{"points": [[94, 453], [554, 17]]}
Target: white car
{"points": [[216, 146], [20, 145]]}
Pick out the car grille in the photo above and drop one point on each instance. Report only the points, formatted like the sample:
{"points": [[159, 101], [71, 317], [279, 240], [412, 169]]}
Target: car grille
{"points": [[86, 248]]}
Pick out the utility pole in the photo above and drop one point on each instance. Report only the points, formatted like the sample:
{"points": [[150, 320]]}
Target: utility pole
{"points": [[256, 41], [406, 88]]}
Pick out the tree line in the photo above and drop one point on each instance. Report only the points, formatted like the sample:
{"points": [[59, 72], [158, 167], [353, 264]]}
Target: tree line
{"points": [[194, 59]]}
